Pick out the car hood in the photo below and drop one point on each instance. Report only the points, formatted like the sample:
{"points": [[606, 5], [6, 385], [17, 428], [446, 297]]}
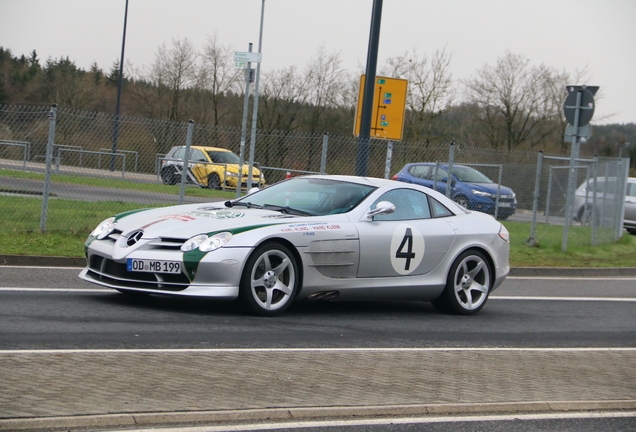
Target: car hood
{"points": [[183, 222], [246, 169], [490, 188]]}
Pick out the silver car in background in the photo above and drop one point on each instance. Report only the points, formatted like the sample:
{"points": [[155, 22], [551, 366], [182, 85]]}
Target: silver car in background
{"points": [[314, 237], [592, 198]]}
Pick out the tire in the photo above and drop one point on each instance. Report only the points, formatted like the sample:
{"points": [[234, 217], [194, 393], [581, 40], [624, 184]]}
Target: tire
{"points": [[468, 284], [214, 182], [270, 280], [587, 215], [169, 176], [631, 231], [462, 201]]}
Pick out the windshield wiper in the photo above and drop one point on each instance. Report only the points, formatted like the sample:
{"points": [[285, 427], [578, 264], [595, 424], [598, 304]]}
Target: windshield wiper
{"points": [[287, 210], [241, 203]]}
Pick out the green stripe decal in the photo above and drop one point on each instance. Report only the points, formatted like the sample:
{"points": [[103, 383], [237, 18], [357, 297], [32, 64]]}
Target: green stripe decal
{"points": [[191, 259]]}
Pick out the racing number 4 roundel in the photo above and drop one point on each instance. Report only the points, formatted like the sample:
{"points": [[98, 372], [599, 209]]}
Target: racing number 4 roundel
{"points": [[407, 249]]}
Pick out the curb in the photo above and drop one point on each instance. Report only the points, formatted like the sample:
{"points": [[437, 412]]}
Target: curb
{"points": [[572, 271], [211, 418], [44, 261], [52, 261]]}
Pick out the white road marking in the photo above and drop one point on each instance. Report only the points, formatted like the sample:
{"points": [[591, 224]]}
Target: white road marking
{"points": [[561, 278], [289, 350], [604, 299], [73, 290], [393, 420]]}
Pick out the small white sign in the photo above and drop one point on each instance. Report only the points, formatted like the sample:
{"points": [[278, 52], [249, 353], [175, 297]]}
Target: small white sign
{"points": [[247, 57]]}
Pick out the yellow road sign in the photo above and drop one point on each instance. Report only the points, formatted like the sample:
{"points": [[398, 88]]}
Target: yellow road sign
{"points": [[389, 103]]}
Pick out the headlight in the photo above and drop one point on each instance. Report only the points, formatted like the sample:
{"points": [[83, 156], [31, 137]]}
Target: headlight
{"points": [[262, 178], [214, 242], [193, 243], [205, 243], [484, 194], [231, 174], [104, 228]]}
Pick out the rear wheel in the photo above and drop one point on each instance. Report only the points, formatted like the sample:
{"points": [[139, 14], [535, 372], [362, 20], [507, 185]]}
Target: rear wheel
{"points": [[169, 176], [214, 182], [467, 286], [632, 231], [270, 280]]}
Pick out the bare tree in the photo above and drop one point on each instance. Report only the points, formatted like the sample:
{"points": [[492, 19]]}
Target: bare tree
{"points": [[218, 77], [282, 95], [431, 91], [513, 101], [325, 79], [172, 76]]}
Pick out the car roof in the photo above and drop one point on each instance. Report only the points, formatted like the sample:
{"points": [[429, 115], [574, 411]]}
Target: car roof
{"points": [[205, 148], [442, 165]]}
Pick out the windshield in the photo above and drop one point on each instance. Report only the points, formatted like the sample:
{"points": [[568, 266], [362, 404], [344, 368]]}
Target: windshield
{"points": [[223, 157], [311, 195], [469, 175]]}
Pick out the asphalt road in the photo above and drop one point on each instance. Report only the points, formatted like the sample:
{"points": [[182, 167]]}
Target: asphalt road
{"points": [[52, 309]]}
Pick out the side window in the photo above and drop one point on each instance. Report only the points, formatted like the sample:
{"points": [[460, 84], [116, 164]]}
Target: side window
{"points": [[439, 209], [409, 204], [439, 174], [631, 189], [197, 155], [178, 154], [420, 171]]}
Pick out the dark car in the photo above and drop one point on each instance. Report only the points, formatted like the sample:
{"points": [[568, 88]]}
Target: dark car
{"points": [[469, 188]]}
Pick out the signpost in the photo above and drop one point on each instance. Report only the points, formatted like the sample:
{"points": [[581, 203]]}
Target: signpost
{"points": [[242, 58], [389, 104], [578, 110]]}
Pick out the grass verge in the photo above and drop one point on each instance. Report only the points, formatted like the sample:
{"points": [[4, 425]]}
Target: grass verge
{"points": [[70, 222]]}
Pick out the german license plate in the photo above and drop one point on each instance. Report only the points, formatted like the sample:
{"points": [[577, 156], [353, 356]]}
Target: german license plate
{"points": [[505, 204], [153, 266]]}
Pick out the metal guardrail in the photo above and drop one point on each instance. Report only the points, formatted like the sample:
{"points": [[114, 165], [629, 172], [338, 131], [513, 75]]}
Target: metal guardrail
{"points": [[83, 152], [110, 152], [26, 149]]}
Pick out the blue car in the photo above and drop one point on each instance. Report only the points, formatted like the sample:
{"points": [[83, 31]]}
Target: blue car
{"points": [[469, 188]]}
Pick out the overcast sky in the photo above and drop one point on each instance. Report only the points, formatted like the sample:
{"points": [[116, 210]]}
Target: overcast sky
{"points": [[566, 34]]}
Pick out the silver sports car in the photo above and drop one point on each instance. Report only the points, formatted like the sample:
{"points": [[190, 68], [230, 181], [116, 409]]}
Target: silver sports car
{"points": [[314, 237]]}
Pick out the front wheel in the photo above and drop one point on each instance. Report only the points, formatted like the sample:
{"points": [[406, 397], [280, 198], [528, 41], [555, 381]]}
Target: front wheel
{"points": [[467, 286], [270, 280], [462, 201]]}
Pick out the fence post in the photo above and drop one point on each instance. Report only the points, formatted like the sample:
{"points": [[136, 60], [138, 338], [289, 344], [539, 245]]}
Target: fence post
{"points": [[47, 173], [621, 191], [449, 179], [535, 200], [498, 190], [186, 161], [594, 203], [323, 160], [389, 158], [548, 198]]}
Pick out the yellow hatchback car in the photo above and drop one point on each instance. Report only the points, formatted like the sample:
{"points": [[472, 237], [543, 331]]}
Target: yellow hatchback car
{"points": [[211, 167]]}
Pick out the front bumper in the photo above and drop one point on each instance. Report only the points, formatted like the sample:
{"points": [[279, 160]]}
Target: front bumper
{"points": [[217, 274]]}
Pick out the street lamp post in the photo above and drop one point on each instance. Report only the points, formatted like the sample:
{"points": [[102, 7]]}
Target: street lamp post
{"points": [[119, 84]]}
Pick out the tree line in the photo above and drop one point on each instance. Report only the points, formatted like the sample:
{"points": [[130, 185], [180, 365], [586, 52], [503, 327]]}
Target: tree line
{"points": [[512, 104]]}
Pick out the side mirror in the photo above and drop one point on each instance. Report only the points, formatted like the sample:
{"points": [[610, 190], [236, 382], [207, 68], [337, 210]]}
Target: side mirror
{"points": [[252, 190], [383, 207]]}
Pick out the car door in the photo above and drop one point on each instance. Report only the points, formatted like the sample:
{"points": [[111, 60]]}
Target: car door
{"points": [[200, 167], [408, 241], [630, 202]]}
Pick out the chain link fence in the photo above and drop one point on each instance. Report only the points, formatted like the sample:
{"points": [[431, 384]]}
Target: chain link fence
{"points": [[90, 181]]}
